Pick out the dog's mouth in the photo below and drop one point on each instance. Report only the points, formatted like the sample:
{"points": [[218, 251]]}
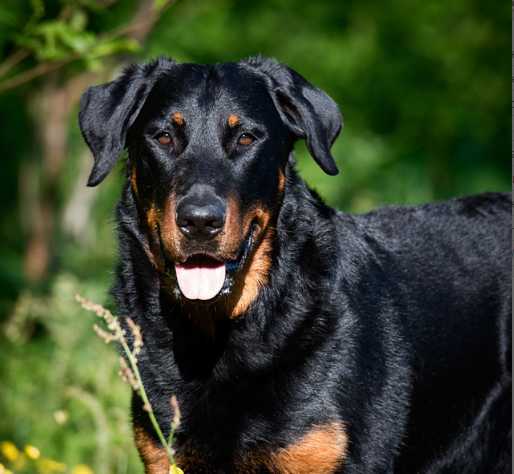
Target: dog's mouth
{"points": [[207, 276], [200, 277]]}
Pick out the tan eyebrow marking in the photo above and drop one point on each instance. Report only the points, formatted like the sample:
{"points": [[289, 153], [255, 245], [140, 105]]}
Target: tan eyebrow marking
{"points": [[233, 120], [177, 118]]}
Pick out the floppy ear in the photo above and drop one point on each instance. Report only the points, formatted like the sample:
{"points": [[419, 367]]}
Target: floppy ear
{"points": [[306, 110], [107, 112]]}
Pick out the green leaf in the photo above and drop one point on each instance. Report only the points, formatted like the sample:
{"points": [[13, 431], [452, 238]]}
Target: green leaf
{"points": [[78, 20], [160, 4], [108, 48]]}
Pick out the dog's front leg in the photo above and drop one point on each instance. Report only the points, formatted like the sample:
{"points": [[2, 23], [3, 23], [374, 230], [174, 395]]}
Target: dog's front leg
{"points": [[154, 457]]}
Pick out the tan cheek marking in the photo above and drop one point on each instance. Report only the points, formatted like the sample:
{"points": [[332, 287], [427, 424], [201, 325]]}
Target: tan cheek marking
{"points": [[256, 275], [281, 182], [154, 457], [169, 229], [152, 218], [152, 221], [322, 450], [231, 236], [177, 118], [133, 181], [233, 120]]}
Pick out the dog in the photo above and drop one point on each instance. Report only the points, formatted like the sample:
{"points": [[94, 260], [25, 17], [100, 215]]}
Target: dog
{"points": [[296, 338]]}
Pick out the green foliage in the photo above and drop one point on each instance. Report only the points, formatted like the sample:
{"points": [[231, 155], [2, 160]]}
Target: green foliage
{"points": [[57, 40], [67, 37], [66, 396]]}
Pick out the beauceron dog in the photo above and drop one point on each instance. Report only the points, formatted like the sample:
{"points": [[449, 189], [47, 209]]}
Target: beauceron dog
{"points": [[297, 339]]}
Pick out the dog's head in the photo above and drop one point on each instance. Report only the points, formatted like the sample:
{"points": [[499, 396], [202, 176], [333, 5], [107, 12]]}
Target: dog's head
{"points": [[208, 146]]}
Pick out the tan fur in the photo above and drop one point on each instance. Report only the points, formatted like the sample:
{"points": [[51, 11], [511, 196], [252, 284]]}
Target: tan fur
{"points": [[281, 182], [133, 181], [177, 118], [233, 120], [256, 274], [170, 233], [154, 457], [230, 238], [152, 218], [153, 251], [320, 451]]}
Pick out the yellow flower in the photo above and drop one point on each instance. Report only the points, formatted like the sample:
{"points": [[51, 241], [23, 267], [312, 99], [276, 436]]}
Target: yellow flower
{"points": [[32, 452], [82, 469], [176, 470], [48, 466], [9, 450], [4, 470]]}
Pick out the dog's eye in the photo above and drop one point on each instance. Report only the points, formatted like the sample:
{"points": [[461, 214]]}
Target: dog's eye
{"points": [[246, 139], [164, 138]]}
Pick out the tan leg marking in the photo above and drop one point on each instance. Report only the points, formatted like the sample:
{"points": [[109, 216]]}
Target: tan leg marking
{"points": [[154, 457], [320, 451]]}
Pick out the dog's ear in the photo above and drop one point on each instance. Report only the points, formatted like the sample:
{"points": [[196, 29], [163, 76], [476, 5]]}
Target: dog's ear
{"points": [[306, 110], [107, 111]]}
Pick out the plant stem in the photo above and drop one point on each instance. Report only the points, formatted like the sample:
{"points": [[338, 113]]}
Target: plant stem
{"points": [[146, 402]]}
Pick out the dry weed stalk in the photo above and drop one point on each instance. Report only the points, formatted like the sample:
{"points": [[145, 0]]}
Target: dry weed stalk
{"points": [[129, 370]]}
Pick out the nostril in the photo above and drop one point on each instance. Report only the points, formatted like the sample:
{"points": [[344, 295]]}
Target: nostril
{"points": [[185, 224], [200, 221], [215, 223]]}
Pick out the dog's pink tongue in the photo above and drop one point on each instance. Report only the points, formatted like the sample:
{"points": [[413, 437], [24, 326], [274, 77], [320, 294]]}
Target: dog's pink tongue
{"points": [[198, 282]]}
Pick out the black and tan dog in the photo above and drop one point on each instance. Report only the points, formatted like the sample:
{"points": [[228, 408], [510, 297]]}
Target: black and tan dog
{"points": [[296, 338]]}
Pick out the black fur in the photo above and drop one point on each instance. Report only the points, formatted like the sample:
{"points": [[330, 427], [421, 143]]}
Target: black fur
{"points": [[396, 323]]}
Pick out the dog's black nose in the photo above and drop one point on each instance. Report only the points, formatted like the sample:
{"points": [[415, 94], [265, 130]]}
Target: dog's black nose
{"points": [[200, 220]]}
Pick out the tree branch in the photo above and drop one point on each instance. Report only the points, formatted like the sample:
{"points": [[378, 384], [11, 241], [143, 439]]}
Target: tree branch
{"points": [[12, 60], [141, 25]]}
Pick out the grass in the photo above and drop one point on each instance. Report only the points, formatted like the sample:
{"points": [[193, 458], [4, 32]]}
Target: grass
{"points": [[64, 395], [129, 369]]}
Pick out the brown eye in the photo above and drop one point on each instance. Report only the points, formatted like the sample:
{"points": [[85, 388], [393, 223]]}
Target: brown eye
{"points": [[164, 139], [245, 139]]}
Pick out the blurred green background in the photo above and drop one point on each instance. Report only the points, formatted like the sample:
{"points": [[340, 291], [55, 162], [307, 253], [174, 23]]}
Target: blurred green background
{"points": [[424, 90]]}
